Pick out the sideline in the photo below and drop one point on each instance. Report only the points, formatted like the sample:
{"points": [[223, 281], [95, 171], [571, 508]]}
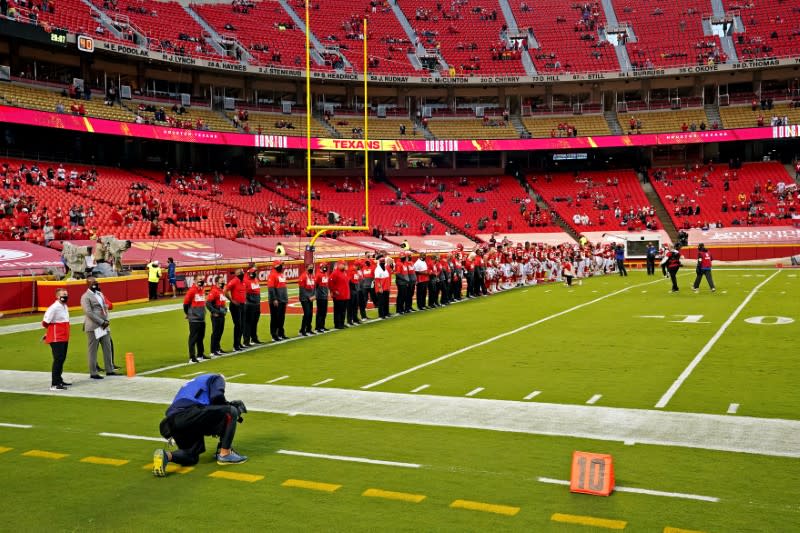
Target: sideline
{"points": [[503, 335], [710, 344], [764, 436]]}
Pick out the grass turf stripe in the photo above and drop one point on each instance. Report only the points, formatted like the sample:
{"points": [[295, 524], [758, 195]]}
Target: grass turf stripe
{"points": [[3, 449], [104, 461], [392, 495], [171, 468], [588, 521], [485, 507], [45, 455], [311, 485], [236, 476]]}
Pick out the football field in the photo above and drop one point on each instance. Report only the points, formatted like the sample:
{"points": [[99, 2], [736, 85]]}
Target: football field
{"points": [[458, 418]]}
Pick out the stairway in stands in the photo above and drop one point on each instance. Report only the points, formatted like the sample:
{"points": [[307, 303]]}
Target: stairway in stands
{"points": [[661, 211]]}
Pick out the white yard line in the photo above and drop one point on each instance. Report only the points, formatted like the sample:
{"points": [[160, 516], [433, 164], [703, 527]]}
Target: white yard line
{"points": [[192, 374], [277, 379], [132, 437], [742, 434], [637, 490], [228, 378], [323, 382], [16, 426], [710, 344], [348, 458], [532, 395], [733, 408], [593, 399], [420, 388], [473, 392], [502, 335]]}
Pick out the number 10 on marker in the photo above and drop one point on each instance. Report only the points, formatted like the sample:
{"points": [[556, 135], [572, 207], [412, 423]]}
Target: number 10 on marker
{"points": [[592, 473]]}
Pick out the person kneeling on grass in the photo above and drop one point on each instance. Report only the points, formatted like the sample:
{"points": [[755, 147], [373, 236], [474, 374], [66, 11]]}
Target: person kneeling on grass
{"points": [[199, 409]]}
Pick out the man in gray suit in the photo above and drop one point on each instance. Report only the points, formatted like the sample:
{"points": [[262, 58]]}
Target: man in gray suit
{"points": [[95, 321]]}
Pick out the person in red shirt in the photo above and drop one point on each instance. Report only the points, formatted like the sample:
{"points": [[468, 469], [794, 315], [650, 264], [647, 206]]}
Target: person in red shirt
{"points": [[322, 291], [56, 320], [703, 268], [307, 288], [354, 284], [367, 287], [566, 271], [252, 308], [194, 307], [278, 298], [216, 303], [340, 291], [236, 294]]}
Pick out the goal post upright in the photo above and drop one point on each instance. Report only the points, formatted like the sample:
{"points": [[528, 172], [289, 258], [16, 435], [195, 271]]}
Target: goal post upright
{"points": [[320, 230]]}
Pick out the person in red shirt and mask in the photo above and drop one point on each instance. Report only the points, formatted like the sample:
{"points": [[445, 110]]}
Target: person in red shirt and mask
{"points": [[307, 287], [339, 285], [56, 320], [217, 306], [322, 291], [703, 268], [252, 308], [194, 307], [278, 298], [235, 293]]}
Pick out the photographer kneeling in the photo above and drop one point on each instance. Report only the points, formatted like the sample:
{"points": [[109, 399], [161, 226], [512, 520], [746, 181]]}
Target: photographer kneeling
{"points": [[199, 409]]}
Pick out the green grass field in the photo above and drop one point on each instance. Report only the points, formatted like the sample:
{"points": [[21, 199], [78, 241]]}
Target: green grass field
{"points": [[619, 342]]}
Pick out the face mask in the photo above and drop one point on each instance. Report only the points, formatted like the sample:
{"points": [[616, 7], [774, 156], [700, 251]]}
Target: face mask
{"points": [[63, 299], [368, 263], [240, 276], [95, 287], [382, 264], [277, 268], [253, 275], [324, 269], [310, 270]]}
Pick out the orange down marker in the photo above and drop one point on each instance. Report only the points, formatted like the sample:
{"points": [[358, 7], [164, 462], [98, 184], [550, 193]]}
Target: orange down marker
{"points": [[130, 365], [592, 473]]}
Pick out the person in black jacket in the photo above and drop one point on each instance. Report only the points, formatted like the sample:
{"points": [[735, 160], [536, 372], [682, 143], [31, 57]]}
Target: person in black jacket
{"points": [[673, 264]]}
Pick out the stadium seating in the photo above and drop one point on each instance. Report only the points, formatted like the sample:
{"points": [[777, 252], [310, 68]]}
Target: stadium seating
{"points": [[453, 28], [268, 124], [745, 117], [193, 117], [595, 195], [471, 205], [664, 121], [349, 126], [338, 25], [167, 26], [703, 188], [455, 128], [556, 126], [48, 99], [772, 29], [669, 34], [76, 16], [266, 30], [555, 24]]}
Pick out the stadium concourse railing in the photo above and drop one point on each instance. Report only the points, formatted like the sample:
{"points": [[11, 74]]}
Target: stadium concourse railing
{"points": [[29, 117]]}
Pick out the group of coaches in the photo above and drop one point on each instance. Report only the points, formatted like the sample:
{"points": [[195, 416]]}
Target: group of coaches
{"points": [[435, 280]]}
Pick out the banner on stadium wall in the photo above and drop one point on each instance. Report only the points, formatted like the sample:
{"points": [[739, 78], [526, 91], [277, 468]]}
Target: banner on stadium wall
{"points": [[745, 235], [189, 252], [551, 238], [433, 243], [372, 243], [324, 247], [20, 258], [392, 79], [45, 119]]}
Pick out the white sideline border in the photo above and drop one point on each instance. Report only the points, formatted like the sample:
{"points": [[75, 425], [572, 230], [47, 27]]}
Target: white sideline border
{"points": [[502, 335], [15, 426], [667, 396], [636, 490]]}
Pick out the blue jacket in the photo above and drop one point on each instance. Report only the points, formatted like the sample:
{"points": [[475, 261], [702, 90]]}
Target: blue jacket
{"points": [[206, 389], [619, 253], [171, 272]]}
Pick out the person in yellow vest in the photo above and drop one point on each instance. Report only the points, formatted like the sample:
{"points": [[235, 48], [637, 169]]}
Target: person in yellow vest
{"points": [[405, 246], [153, 277], [280, 250]]}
